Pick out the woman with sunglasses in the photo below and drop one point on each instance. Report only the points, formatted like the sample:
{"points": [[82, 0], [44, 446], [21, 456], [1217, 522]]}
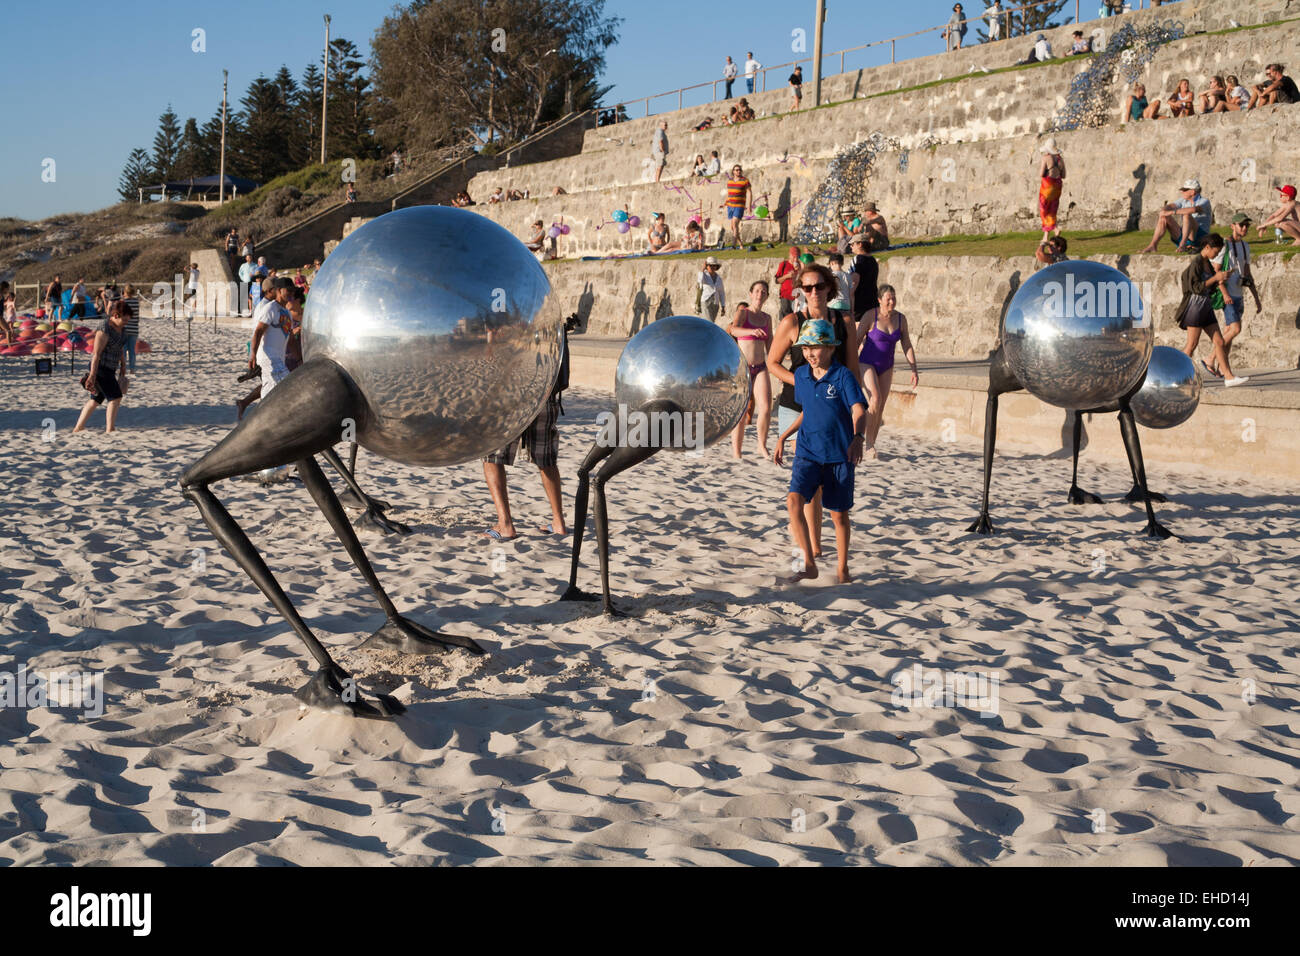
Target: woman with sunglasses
{"points": [[879, 331], [818, 286]]}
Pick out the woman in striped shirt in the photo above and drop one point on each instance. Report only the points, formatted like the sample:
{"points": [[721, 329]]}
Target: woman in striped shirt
{"points": [[132, 324]]}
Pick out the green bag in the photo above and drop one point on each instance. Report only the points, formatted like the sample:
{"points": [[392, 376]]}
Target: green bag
{"points": [[1216, 300]]}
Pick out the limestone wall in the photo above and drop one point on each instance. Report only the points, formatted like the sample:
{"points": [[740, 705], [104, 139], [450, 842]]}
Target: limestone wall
{"points": [[1195, 15], [953, 304]]}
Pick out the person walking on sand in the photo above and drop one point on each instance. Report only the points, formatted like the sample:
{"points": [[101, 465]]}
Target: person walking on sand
{"points": [[107, 372], [54, 299], [752, 329], [1195, 313], [831, 434], [541, 440], [818, 284], [191, 290], [879, 331], [132, 302], [712, 296], [1051, 174]]}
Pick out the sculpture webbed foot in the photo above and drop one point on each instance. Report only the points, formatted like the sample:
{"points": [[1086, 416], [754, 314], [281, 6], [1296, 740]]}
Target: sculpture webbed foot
{"points": [[374, 519], [1135, 496], [575, 593], [348, 499], [1155, 529], [333, 690], [981, 525], [410, 637], [1078, 496]]}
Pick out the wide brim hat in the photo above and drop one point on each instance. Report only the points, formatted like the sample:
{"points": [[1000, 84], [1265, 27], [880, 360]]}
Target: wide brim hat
{"points": [[817, 332]]}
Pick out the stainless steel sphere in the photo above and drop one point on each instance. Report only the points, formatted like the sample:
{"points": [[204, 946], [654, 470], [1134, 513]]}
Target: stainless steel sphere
{"points": [[448, 326], [1077, 334], [1171, 392], [689, 361]]}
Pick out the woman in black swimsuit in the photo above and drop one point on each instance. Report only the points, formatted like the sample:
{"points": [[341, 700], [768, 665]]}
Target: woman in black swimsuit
{"points": [[106, 362]]}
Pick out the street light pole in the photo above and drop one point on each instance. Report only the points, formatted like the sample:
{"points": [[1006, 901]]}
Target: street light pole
{"points": [[817, 54], [221, 184], [325, 90]]}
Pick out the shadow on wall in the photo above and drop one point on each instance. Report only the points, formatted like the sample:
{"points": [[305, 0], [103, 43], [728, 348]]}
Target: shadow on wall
{"points": [[783, 203], [1135, 198], [665, 308], [640, 310], [586, 302]]}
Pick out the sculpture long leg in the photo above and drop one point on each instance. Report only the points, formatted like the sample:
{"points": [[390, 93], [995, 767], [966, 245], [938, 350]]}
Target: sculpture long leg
{"points": [[1128, 428], [397, 633], [982, 524], [301, 417], [599, 452], [1001, 380], [372, 509], [1077, 496], [620, 458]]}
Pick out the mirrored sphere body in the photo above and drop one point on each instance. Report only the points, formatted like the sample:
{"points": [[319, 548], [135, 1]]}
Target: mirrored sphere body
{"points": [[1077, 335], [691, 362], [1171, 392], [448, 326]]}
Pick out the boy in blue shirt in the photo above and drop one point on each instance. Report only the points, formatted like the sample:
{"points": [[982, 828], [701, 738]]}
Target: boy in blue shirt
{"points": [[831, 430]]}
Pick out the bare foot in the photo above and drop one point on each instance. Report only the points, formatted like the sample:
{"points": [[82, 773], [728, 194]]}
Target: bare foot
{"points": [[843, 576], [764, 452], [807, 574], [552, 529]]}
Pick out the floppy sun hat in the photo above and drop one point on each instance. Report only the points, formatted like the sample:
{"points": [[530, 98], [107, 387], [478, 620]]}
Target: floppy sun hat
{"points": [[817, 332]]}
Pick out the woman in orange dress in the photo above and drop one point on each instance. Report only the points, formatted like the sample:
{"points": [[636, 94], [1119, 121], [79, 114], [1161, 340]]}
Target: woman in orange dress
{"points": [[1051, 172]]}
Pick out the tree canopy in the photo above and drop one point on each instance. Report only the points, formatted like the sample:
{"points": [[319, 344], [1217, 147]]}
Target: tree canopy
{"points": [[450, 71]]}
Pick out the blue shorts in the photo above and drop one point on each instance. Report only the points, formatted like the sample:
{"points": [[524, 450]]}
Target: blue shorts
{"points": [[1233, 310], [735, 212], [835, 482]]}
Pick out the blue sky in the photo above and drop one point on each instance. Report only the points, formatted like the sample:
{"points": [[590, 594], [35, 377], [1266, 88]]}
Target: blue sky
{"points": [[119, 65]]}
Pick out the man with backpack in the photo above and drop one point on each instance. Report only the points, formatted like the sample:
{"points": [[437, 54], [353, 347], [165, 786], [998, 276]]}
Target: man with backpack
{"points": [[541, 439]]}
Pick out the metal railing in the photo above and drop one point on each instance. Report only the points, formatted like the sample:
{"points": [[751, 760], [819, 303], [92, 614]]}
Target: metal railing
{"points": [[760, 85]]}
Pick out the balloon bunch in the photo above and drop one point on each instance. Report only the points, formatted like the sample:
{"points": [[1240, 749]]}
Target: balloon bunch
{"points": [[1090, 100], [621, 218], [557, 229], [845, 185]]}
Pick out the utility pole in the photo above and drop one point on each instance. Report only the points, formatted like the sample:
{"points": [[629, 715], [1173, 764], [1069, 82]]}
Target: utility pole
{"points": [[221, 184], [325, 89], [817, 54]]}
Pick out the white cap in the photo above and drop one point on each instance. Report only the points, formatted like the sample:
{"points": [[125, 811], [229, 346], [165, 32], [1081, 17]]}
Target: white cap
{"points": [[1192, 184]]}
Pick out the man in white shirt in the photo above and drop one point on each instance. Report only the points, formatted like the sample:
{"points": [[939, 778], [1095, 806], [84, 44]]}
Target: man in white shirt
{"points": [[1042, 48], [752, 67], [729, 71], [713, 299], [192, 289], [271, 334], [994, 15]]}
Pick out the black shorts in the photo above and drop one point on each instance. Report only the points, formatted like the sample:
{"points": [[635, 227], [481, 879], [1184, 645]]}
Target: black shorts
{"points": [[106, 388], [541, 439]]}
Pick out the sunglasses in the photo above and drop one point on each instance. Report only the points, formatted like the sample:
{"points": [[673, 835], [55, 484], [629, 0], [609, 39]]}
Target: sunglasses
{"points": [[819, 287]]}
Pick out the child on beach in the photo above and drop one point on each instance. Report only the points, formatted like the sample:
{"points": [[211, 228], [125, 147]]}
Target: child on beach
{"points": [[832, 430]]}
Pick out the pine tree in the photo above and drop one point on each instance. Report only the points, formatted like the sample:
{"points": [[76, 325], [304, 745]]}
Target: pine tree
{"points": [[189, 156], [297, 142], [351, 129], [1030, 20], [166, 144], [134, 175], [307, 109], [264, 130]]}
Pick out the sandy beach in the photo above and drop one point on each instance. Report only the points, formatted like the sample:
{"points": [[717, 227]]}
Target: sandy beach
{"points": [[1138, 697]]}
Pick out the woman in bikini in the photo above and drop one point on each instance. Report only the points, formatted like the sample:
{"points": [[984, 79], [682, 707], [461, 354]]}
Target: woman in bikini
{"points": [[752, 329], [658, 233], [879, 331]]}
